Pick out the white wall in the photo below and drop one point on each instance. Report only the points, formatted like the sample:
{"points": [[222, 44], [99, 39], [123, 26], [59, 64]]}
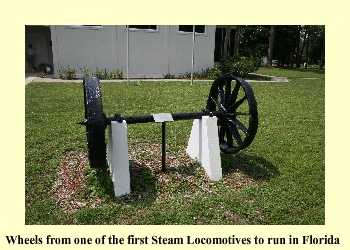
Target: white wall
{"points": [[84, 47], [151, 54], [146, 52], [180, 50]]}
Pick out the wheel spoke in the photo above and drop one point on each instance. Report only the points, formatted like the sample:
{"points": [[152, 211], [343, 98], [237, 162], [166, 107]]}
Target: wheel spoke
{"points": [[233, 102], [218, 104], [239, 113], [240, 125], [227, 92], [238, 103], [235, 133], [222, 96], [233, 96], [228, 136], [222, 131]]}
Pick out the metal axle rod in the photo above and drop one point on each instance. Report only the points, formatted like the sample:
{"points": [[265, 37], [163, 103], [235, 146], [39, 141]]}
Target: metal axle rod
{"points": [[150, 118], [234, 106]]}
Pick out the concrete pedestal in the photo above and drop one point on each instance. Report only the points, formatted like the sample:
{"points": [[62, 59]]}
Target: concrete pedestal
{"points": [[117, 157], [203, 145]]}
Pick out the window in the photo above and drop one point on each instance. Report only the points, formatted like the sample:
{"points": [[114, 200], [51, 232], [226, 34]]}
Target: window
{"points": [[151, 28], [199, 29], [92, 27]]}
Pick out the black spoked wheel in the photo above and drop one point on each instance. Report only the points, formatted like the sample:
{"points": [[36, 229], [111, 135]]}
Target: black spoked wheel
{"points": [[94, 122], [238, 124]]}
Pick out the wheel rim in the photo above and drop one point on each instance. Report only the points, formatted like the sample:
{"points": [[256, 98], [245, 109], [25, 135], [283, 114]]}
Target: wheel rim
{"points": [[239, 122], [95, 125]]}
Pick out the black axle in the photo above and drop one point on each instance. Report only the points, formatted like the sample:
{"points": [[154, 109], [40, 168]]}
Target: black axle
{"points": [[234, 106], [150, 118]]}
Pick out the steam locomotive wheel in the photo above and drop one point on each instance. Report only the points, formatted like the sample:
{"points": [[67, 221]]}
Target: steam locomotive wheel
{"points": [[238, 125], [94, 122]]}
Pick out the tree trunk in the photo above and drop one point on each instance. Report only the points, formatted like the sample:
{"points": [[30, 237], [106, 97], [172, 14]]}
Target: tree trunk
{"points": [[307, 50], [228, 33], [297, 58], [320, 66], [235, 48], [291, 60], [271, 44], [302, 47]]}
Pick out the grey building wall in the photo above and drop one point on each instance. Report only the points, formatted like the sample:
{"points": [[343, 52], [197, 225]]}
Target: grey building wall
{"points": [[152, 54]]}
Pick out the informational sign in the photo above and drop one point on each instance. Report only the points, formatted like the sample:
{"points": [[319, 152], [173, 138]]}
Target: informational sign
{"points": [[163, 117]]}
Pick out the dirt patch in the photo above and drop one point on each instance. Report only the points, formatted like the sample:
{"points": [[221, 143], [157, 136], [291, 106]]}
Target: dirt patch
{"points": [[70, 183], [145, 161]]}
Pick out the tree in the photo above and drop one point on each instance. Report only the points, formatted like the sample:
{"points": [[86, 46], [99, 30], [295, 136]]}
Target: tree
{"points": [[271, 44], [320, 66], [300, 55], [227, 37], [286, 43], [235, 48], [316, 51], [322, 41], [307, 49], [254, 41], [292, 43]]}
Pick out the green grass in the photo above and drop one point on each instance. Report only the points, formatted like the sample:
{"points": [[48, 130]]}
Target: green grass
{"points": [[292, 72], [278, 179]]}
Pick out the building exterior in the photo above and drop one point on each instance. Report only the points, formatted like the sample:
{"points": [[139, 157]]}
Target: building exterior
{"points": [[40, 38], [152, 51]]}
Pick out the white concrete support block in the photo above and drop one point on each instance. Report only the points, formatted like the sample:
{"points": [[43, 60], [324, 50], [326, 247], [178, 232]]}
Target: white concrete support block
{"points": [[203, 145], [117, 157]]}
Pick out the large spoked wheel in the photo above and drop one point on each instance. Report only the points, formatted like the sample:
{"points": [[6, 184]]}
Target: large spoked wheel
{"points": [[238, 124], [94, 122]]}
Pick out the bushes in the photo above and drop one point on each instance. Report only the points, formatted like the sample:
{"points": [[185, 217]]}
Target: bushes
{"points": [[209, 73], [212, 73], [68, 73], [44, 69], [102, 74], [236, 65]]}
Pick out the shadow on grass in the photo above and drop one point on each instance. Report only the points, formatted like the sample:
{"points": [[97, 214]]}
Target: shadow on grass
{"points": [[142, 183], [144, 180], [254, 166]]}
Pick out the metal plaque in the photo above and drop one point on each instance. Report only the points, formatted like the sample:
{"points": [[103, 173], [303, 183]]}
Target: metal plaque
{"points": [[163, 117]]}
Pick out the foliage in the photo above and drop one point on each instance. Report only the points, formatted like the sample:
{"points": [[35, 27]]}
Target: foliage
{"points": [[86, 71], [289, 46], [212, 73], [254, 40], [68, 73], [103, 74], [236, 65], [42, 68], [209, 73], [317, 43], [116, 74], [169, 76], [286, 42]]}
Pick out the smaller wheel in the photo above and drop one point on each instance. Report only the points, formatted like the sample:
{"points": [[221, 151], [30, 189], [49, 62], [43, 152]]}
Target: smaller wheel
{"points": [[95, 122], [239, 121]]}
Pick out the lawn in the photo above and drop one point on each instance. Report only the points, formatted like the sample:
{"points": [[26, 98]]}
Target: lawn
{"points": [[292, 72], [278, 179]]}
